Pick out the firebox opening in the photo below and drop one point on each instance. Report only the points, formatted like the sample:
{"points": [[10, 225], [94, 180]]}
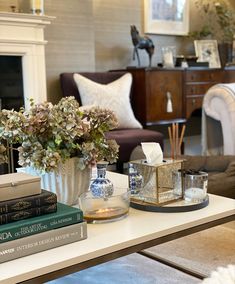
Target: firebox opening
{"points": [[11, 96], [11, 82]]}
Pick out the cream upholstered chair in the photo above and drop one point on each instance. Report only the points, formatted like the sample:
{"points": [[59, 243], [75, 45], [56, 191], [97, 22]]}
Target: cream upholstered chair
{"points": [[221, 275], [218, 120]]}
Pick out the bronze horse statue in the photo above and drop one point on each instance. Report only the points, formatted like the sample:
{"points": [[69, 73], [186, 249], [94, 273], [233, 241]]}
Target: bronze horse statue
{"points": [[141, 42]]}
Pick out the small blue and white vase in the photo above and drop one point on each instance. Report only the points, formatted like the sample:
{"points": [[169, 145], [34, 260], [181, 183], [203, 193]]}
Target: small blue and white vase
{"points": [[135, 179], [101, 186]]}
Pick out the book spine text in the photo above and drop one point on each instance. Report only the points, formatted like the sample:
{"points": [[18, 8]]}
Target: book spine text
{"points": [[19, 204], [39, 226], [42, 241], [27, 213]]}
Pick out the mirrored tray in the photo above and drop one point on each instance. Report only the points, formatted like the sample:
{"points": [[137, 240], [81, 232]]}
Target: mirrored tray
{"points": [[178, 206]]}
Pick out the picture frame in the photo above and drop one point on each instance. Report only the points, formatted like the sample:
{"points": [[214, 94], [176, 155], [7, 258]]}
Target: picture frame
{"points": [[207, 51], [166, 17]]}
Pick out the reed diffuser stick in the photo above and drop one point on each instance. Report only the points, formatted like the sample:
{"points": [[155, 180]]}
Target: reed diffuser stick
{"points": [[171, 141], [176, 140], [173, 138], [181, 137]]}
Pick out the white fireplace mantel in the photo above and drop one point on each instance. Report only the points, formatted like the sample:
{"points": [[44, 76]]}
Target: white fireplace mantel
{"points": [[23, 35]]}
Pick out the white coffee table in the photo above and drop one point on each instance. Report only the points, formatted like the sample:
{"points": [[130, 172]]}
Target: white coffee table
{"points": [[108, 241]]}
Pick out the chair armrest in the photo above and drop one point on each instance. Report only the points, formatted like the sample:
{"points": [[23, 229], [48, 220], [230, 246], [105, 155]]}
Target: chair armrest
{"points": [[219, 104]]}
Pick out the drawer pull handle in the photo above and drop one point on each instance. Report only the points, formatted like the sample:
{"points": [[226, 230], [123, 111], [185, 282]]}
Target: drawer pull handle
{"points": [[169, 107], [193, 102]]}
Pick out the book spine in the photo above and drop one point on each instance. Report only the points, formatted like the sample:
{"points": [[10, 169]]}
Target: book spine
{"points": [[42, 241], [38, 200], [28, 213], [39, 226]]}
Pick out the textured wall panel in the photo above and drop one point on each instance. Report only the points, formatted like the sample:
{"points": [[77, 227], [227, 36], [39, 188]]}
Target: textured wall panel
{"points": [[113, 45], [112, 19], [70, 41]]}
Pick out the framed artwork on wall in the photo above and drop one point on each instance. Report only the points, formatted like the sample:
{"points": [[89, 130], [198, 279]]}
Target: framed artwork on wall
{"points": [[207, 51], [168, 17]]}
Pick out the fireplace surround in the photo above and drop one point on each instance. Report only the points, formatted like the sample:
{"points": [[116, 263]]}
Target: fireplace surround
{"points": [[23, 35]]}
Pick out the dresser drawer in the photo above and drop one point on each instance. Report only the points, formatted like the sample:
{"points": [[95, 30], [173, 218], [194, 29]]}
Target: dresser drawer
{"points": [[193, 104], [230, 76], [197, 89], [159, 84], [203, 76]]}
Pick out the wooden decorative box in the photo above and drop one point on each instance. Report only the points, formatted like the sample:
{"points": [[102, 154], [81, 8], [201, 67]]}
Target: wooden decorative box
{"points": [[159, 185], [18, 185]]}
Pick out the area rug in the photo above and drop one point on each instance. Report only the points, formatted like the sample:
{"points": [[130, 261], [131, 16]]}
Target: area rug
{"points": [[131, 269], [202, 252]]}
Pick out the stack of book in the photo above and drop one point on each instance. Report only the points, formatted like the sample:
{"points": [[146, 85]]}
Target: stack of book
{"points": [[27, 207], [34, 221]]}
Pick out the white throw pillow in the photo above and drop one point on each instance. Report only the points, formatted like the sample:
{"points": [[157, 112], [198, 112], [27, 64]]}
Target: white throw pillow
{"points": [[114, 96]]}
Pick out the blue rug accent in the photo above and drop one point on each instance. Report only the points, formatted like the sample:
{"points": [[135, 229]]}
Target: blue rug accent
{"points": [[131, 269]]}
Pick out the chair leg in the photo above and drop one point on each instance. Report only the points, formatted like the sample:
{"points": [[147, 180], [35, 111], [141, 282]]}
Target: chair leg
{"points": [[119, 167]]}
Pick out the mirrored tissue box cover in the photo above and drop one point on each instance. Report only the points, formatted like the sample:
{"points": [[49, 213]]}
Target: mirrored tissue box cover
{"points": [[160, 184]]}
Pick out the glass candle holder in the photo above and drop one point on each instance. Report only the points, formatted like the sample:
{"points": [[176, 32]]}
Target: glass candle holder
{"points": [[98, 209], [37, 7], [195, 186], [169, 56]]}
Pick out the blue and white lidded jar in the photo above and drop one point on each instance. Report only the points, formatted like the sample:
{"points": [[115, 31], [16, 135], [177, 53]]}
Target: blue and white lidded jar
{"points": [[102, 186], [135, 179]]}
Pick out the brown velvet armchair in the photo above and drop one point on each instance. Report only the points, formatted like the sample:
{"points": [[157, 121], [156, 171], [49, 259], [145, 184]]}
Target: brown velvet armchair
{"points": [[127, 139]]}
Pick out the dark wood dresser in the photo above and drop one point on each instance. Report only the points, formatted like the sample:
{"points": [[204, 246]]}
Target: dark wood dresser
{"points": [[195, 84], [152, 88], [149, 95]]}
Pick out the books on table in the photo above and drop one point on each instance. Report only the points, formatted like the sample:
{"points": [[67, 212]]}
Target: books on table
{"points": [[42, 241], [27, 207], [41, 233], [32, 220], [17, 204], [65, 215], [27, 213]]}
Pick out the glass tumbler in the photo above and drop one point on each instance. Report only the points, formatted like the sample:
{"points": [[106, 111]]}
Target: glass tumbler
{"points": [[195, 186]]}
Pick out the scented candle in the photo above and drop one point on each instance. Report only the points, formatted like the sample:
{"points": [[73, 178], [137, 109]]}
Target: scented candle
{"points": [[37, 7], [195, 186]]}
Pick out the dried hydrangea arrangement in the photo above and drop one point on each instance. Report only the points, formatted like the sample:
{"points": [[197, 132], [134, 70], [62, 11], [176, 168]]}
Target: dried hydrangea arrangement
{"points": [[50, 134]]}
